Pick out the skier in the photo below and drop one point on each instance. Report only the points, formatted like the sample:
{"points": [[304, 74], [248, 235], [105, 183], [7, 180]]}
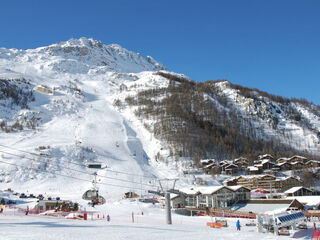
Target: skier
{"points": [[108, 218], [27, 211], [238, 225]]}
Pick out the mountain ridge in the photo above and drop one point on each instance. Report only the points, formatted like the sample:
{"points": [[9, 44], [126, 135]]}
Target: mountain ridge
{"points": [[134, 115]]}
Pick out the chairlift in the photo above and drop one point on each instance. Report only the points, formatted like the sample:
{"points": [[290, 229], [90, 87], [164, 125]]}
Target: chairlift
{"points": [[93, 194], [90, 194]]}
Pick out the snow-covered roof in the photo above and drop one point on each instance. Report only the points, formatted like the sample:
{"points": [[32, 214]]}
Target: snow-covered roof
{"points": [[207, 160], [293, 190], [241, 159], [230, 179], [265, 156], [285, 178], [295, 163], [237, 187], [297, 156], [210, 190], [207, 190], [189, 191], [209, 165], [253, 168], [283, 158], [307, 200], [266, 161], [312, 161], [260, 208], [280, 164], [231, 165]]}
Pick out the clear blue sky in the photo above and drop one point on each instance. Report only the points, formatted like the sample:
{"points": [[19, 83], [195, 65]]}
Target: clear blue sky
{"points": [[272, 45]]}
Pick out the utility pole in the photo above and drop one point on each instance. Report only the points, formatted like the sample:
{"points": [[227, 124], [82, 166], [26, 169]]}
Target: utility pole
{"points": [[168, 208], [165, 191]]}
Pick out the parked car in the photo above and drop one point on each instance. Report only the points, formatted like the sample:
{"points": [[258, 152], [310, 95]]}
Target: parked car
{"points": [[31, 196]]}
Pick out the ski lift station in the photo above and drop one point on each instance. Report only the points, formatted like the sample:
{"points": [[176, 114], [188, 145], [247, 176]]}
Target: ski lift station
{"points": [[277, 222]]}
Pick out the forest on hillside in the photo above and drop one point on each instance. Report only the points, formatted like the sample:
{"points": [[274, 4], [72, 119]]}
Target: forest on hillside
{"points": [[198, 121]]}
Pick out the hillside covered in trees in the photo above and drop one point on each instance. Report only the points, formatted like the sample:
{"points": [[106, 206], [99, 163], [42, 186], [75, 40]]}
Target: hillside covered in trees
{"points": [[217, 119]]}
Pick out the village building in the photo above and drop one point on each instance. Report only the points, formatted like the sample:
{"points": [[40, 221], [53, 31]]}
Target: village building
{"points": [[231, 181], [266, 157], [210, 197], [266, 181], [241, 162], [297, 165], [211, 168], [312, 164], [285, 183], [298, 159], [284, 166], [267, 164], [223, 164], [298, 191], [45, 205], [310, 202], [231, 169], [205, 162], [282, 160], [263, 206], [253, 170]]}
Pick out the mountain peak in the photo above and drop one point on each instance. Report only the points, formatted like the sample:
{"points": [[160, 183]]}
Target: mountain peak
{"points": [[81, 42], [84, 55]]}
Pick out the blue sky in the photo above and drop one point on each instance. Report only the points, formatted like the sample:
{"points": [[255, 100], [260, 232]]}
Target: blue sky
{"points": [[272, 45]]}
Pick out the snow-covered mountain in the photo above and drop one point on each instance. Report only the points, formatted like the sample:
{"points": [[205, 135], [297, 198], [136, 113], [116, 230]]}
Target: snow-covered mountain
{"points": [[57, 114], [70, 104]]}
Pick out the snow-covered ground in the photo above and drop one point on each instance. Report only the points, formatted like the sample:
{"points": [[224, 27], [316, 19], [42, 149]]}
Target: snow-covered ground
{"points": [[151, 225], [130, 219], [79, 123]]}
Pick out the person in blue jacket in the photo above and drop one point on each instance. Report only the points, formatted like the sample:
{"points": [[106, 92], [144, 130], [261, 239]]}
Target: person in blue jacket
{"points": [[238, 225]]}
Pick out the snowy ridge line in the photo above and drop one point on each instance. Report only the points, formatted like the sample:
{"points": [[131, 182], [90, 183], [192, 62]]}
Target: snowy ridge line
{"points": [[107, 184], [79, 171], [78, 164]]}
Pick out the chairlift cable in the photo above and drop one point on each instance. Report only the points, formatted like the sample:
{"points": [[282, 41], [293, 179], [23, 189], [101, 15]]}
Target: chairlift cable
{"points": [[82, 165], [107, 184], [117, 179]]}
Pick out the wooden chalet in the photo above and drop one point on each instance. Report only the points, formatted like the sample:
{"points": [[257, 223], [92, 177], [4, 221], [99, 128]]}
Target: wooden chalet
{"points": [[254, 170], [268, 182], [211, 168], [241, 162], [205, 162], [298, 159], [266, 157], [297, 165], [312, 164], [267, 164], [283, 184], [231, 181], [284, 166], [231, 169], [282, 160]]}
